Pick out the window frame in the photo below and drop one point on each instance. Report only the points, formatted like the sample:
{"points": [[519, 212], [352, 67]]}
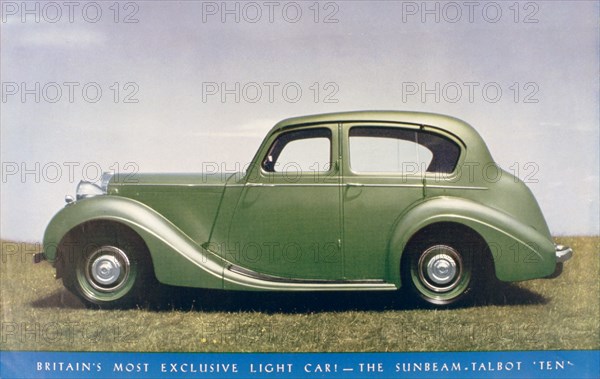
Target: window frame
{"points": [[314, 132], [418, 130]]}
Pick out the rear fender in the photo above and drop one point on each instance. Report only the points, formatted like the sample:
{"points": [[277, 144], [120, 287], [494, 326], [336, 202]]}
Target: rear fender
{"points": [[519, 252]]}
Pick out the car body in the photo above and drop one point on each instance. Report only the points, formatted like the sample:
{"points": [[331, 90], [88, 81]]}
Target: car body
{"points": [[359, 201]]}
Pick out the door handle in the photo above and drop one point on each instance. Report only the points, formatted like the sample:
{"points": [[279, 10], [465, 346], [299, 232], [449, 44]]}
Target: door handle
{"points": [[354, 184]]}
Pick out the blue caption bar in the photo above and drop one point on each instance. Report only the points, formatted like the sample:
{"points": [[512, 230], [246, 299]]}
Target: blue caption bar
{"points": [[522, 364]]}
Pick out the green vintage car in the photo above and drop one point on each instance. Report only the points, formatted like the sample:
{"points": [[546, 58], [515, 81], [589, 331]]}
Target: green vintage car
{"points": [[354, 201]]}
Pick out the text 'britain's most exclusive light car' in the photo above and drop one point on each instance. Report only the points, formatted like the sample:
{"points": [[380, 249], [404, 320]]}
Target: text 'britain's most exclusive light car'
{"points": [[359, 201]]}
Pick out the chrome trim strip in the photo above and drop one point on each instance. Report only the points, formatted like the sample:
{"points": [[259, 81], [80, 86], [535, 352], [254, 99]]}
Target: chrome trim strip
{"points": [[384, 185], [456, 187], [330, 185], [292, 184], [353, 184], [219, 185], [272, 278]]}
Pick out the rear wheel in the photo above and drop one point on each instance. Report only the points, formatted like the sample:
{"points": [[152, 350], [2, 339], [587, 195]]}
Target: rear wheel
{"points": [[439, 269], [440, 274], [111, 268]]}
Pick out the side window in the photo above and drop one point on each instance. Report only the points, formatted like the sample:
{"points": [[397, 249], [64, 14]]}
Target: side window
{"points": [[300, 151], [396, 150]]}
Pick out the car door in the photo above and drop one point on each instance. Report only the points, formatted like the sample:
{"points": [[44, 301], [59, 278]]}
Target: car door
{"points": [[383, 171], [286, 225]]}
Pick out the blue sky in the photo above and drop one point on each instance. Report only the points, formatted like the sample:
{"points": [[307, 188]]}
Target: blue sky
{"points": [[159, 94]]}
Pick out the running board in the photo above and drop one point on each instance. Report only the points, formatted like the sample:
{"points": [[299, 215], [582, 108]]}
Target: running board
{"points": [[279, 279]]}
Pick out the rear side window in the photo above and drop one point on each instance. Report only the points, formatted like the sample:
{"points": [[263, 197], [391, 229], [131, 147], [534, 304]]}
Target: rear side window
{"points": [[397, 150]]}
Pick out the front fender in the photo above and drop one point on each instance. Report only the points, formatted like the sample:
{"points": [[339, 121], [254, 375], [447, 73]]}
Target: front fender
{"points": [[519, 251], [177, 259]]}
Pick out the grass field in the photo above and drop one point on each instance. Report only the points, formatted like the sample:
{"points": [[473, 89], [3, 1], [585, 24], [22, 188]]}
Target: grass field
{"points": [[562, 313]]}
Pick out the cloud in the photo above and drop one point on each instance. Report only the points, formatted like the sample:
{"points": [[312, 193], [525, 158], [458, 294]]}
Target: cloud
{"points": [[65, 39], [255, 129], [227, 134]]}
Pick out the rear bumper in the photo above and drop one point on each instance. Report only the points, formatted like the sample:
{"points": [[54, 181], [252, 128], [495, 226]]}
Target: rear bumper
{"points": [[563, 253]]}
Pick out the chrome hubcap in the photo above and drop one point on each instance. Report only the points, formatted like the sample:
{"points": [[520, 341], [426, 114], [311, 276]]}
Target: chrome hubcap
{"points": [[440, 268], [107, 268]]}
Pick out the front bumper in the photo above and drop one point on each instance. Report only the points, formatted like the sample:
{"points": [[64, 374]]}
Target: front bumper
{"points": [[38, 257], [563, 253]]}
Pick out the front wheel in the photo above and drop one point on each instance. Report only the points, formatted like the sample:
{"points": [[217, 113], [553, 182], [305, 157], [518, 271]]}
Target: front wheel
{"points": [[439, 273], [111, 271]]}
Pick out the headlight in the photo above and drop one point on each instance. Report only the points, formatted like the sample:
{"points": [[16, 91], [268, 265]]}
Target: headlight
{"points": [[104, 181], [88, 189]]}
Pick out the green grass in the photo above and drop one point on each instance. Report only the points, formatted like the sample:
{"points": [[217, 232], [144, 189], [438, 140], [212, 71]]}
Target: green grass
{"points": [[562, 313]]}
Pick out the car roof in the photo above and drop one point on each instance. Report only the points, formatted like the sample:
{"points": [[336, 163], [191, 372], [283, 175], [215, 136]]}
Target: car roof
{"points": [[459, 128], [448, 123]]}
